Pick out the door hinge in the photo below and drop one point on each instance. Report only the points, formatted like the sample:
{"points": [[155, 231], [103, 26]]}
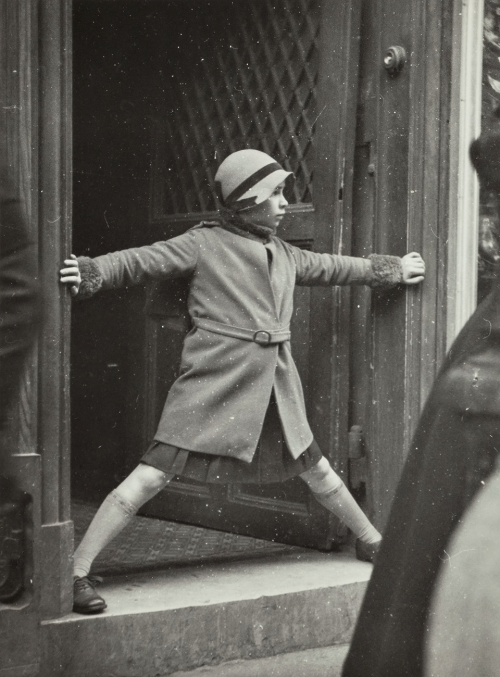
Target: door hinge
{"points": [[357, 457]]}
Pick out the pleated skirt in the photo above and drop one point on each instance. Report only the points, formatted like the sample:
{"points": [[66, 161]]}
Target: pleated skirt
{"points": [[271, 463]]}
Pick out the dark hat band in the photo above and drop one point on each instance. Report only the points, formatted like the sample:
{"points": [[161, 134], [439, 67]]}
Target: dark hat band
{"points": [[251, 181]]}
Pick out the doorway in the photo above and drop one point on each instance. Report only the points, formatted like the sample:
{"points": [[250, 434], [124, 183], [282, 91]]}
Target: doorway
{"points": [[162, 92], [115, 92]]}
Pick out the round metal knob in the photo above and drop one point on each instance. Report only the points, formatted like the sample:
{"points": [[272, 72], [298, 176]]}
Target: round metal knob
{"points": [[394, 60]]}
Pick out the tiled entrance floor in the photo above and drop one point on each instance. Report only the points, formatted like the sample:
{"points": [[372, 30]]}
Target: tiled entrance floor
{"points": [[148, 544]]}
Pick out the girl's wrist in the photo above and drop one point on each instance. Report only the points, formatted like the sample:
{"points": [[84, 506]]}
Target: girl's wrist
{"points": [[387, 270], [91, 277]]}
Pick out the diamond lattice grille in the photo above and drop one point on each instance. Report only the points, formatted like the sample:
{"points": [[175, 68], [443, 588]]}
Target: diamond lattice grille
{"points": [[248, 82]]}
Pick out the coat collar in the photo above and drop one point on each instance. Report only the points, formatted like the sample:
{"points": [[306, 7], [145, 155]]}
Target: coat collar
{"points": [[232, 222]]}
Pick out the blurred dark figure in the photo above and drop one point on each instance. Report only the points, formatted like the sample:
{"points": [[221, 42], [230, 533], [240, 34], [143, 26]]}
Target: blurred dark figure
{"points": [[453, 453], [465, 613], [19, 315], [463, 637]]}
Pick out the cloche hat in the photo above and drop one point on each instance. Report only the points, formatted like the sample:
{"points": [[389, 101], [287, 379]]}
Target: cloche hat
{"points": [[247, 178]]}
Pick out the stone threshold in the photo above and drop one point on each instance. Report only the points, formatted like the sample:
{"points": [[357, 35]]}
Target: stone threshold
{"points": [[207, 614], [323, 662]]}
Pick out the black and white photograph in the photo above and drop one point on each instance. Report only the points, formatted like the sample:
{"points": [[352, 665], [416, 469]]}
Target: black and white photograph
{"points": [[249, 311]]}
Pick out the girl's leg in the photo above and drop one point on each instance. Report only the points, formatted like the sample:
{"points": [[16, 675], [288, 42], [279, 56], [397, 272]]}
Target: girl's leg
{"points": [[329, 490], [114, 514], [116, 511]]}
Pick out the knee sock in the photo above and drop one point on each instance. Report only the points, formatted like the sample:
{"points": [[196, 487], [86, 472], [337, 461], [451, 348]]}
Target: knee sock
{"points": [[116, 511], [113, 515], [341, 503], [329, 490]]}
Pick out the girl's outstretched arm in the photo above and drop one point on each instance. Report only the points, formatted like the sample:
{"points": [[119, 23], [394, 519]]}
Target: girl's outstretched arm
{"points": [[169, 259], [378, 270]]}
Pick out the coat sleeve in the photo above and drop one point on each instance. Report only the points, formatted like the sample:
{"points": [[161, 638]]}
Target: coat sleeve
{"points": [[160, 261], [331, 269]]}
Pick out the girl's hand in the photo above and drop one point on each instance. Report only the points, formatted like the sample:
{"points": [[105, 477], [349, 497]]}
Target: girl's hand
{"points": [[413, 268], [71, 275]]}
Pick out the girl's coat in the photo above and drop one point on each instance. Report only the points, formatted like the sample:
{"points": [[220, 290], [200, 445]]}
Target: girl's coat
{"points": [[217, 404]]}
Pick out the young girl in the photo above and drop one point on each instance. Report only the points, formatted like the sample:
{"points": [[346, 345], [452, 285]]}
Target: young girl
{"points": [[236, 367]]}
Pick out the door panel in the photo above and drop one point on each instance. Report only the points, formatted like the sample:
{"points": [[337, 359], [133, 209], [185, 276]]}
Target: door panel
{"points": [[381, 216], [399, 205], [254, 84]]}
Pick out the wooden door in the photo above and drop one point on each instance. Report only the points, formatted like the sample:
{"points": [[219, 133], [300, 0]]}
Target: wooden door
{"points": [[400, 204], [276, 76]]}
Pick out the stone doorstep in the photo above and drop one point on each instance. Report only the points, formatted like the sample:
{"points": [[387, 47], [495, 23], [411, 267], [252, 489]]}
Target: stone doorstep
{"points": [[324, 662], [207, 614]]}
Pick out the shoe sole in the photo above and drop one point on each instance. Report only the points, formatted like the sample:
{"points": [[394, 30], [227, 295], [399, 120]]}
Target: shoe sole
{"points": [[87, 610]]}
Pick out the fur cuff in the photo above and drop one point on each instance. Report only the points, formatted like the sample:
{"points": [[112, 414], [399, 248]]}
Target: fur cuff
{"points": [[91, 277], [387, 271]]}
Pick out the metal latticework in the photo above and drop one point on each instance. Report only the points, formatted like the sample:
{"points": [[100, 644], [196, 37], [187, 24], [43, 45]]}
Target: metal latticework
{"points": [[247, 80]]}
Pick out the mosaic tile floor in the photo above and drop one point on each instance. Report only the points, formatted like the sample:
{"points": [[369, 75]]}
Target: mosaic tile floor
{"points": [[148, 544]]}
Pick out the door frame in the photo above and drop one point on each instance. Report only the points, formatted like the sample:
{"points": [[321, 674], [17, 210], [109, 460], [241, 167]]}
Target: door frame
{"points": [[465, 125], [35, 72]]}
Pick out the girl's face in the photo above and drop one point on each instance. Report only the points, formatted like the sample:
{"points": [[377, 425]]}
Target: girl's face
{"points": [[270, 212]]}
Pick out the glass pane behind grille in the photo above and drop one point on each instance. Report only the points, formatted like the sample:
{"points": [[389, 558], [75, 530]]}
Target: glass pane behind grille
{"points": [[237, 75]]}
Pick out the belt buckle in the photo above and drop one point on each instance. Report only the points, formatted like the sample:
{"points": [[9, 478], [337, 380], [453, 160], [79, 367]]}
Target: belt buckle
{"points": [[262, 337]]}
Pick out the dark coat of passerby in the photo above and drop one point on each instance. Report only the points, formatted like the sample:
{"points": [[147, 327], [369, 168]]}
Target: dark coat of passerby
{"points": [[451, 456], [464, 620]]}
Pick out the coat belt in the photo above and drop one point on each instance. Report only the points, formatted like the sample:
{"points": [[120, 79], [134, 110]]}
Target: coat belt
{"points": [[263, 337]]}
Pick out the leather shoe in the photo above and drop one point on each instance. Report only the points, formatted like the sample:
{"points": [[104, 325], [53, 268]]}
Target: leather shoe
{"points": [[367, 552], [85, 598]]}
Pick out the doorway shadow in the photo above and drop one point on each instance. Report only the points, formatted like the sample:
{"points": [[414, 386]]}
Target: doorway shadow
{"points": [[149, 544]]}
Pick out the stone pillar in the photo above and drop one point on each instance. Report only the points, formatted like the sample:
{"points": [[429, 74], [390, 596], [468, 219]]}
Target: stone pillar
{"points": [[54, 162], [35, 129]]}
